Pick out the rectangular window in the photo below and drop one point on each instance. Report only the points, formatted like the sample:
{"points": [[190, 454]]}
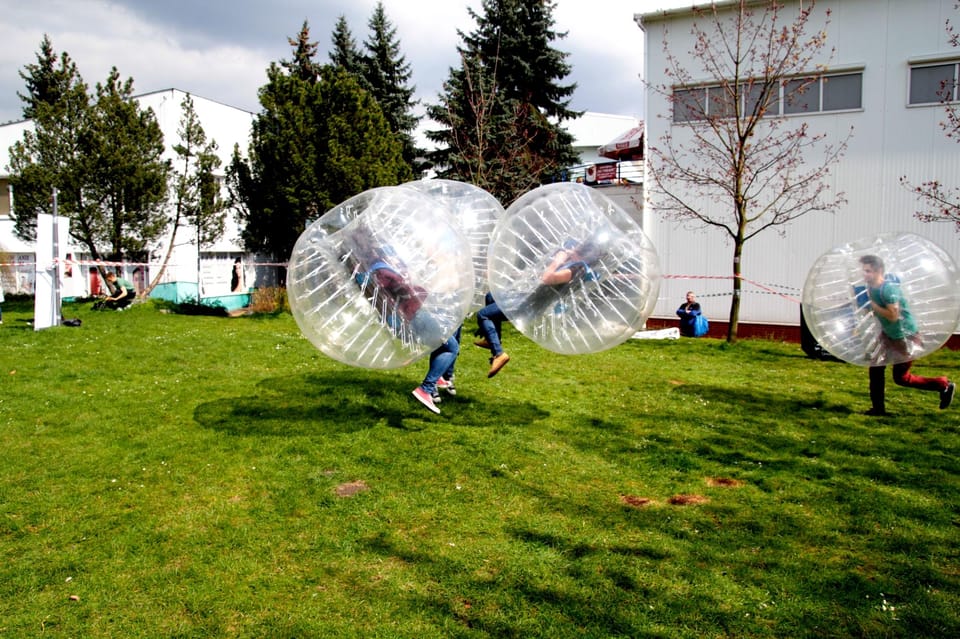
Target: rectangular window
{"points": [[689, 104], [836, 92], [720, 102], [801, 95], [842, 92], [752, 94], [934, 83]]}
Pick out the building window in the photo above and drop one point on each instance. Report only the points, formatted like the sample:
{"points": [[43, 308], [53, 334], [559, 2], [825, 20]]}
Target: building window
{"points": [[842, 92], [934, 83], [689, 104], [835, 92]]}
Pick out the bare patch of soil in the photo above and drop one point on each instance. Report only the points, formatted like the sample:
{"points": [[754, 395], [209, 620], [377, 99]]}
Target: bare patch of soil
{"points": [[351, 488], [636, 502], [688, 500], [724, 482]]}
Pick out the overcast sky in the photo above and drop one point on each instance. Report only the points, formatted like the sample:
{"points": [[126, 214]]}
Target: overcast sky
{"points": [[220, 49]]}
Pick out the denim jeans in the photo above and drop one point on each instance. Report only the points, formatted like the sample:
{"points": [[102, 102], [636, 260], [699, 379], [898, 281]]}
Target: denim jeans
{"points": [[489, 320], [441, 359]]}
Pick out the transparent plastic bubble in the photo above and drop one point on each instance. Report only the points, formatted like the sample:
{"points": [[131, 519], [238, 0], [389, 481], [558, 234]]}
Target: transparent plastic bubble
{"points": [[615, 269], [382, 279], [477, 212], [839, 314]]}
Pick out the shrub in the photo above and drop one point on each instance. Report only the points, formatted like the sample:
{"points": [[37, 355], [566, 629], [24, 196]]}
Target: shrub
{"points": [[270, 299]]}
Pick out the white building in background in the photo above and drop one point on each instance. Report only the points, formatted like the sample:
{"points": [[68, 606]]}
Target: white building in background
{"points": [[221, 123], [888, 59]]}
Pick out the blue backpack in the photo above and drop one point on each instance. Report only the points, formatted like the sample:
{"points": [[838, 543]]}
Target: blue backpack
{"points": [[700, 325]]}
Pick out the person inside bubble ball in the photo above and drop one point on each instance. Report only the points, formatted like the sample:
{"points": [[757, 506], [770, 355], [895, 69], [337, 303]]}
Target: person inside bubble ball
{"points": [[687, 313], [571, 263], [381, 277], [898, 334]]}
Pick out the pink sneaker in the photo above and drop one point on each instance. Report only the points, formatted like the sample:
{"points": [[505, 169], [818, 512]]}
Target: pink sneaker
{"points": [[424, 398], [447, 385]]}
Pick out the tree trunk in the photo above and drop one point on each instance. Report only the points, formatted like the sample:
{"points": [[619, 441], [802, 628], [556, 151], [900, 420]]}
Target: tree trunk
{"points": [[166, 260], [737, 285]]}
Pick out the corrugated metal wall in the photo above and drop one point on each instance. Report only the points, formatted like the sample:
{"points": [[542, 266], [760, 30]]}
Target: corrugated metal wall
{"points": [[889, 140]]}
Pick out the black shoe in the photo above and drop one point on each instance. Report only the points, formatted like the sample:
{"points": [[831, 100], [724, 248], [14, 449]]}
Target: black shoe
{"points": [[877, 412], [946, 395]]}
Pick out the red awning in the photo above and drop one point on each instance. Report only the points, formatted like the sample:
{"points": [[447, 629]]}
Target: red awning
{"points": [[627, 145]]}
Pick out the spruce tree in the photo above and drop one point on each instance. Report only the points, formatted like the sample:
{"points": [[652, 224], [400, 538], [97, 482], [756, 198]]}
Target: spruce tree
{"points": [[502, 109], [318, 140], [125, 190], [47, 81], [387, 73], [49, 156], [345, 53]]}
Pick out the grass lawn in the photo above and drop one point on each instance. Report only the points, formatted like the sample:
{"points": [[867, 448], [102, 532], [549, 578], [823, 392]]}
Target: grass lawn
{"points": [[166, 475]]}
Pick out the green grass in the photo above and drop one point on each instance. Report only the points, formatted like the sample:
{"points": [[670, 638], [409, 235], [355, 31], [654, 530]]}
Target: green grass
{"points": [[166, 475]]}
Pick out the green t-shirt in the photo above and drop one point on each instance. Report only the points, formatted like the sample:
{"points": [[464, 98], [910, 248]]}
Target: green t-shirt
{"points": [[891, 293], [125, 284]]}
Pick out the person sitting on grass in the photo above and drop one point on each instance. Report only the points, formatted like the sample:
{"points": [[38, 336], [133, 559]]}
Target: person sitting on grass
{"points": [[123, 292]]}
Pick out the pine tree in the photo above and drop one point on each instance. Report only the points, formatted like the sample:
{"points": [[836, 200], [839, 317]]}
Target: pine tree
{"points": [[502, 108], [345, 53], [50, 156], [125, 190], [47, 83], [386, 73], [318, 140]]}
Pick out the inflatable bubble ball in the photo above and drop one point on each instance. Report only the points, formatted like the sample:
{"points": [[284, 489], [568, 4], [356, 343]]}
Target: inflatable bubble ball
{"points": [[382, 279], [846, 283], [572, 270], [477, 212]]}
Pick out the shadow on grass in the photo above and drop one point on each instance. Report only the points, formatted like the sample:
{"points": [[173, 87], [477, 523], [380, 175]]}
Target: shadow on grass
{"points": [[347, 402], [758, 402], [598, 592]]}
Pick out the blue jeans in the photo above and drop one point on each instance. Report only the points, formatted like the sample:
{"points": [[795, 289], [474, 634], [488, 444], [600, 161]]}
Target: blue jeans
{"points": [[489, 320], [448, 374], [441, 360]]}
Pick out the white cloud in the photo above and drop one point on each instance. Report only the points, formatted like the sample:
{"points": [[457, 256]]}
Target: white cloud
{"points": [[220, 49]]}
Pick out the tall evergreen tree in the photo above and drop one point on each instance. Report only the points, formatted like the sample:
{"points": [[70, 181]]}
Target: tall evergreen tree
{"points": [[387, 74], [318, 140], [502, 109], [126, 186], [47, 81], [345, 53], [103, 154], [51, 155]]}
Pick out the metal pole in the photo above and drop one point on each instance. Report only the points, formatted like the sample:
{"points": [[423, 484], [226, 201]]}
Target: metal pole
{"points": [[58, 305]]}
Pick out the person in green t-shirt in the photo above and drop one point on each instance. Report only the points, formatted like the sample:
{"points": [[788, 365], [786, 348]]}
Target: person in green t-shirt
{"points": [[898, 333], [123, 292]]}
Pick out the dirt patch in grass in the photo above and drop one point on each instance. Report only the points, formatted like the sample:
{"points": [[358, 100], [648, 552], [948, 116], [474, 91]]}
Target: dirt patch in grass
{"points": [[636, 502], [351, 488], [724, 482], [688, 500]]}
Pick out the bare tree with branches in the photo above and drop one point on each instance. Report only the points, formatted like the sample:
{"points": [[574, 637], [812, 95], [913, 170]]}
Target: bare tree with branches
{"points": [[942, 202], [730, 160]]}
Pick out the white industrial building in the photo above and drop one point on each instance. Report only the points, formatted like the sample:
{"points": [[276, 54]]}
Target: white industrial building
{"points": [[893, 53]]}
